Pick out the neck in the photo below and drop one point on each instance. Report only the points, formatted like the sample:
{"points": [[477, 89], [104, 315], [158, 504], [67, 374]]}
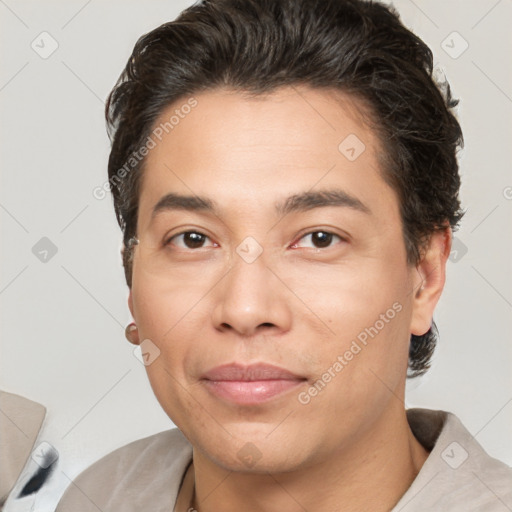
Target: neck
{"points": [[371, 474]]}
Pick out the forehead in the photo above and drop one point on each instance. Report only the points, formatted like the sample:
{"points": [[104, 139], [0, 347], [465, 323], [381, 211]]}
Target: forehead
{"points": [[296, 117], [247, 151]]}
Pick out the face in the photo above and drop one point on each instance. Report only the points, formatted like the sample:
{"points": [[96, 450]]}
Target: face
{"points": [[281, 303]]}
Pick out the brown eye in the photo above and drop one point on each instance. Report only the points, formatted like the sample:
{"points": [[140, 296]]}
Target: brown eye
{"points": [[318, 239], [188, 240]]}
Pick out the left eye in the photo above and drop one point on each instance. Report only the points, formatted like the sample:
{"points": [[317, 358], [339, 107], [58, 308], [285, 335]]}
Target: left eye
{"points": [[318, 239]]}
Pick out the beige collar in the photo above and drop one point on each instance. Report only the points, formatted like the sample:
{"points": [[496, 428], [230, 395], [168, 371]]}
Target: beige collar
{"points": [[186, 491]]}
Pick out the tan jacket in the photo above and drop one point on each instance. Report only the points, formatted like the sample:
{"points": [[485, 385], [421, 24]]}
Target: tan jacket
{"points": [[146, 475], [20, 422]]}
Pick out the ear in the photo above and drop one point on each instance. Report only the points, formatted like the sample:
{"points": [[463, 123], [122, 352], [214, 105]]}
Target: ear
{"points": [[131, 332], [429, 280], [130, 303]]}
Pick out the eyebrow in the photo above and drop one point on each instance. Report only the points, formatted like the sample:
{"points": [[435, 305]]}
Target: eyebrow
{"points": [[309, 200], [296, 203], [174, 201]]}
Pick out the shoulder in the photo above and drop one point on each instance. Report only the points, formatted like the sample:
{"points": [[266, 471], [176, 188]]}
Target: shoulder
{"points": [[458, 474], [143, 475], [21, 422]]}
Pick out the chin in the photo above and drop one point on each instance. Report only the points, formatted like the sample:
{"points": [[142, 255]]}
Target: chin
{"points": [[253, 450], [249, 459]]}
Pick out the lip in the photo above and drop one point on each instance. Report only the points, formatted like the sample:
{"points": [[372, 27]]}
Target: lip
{"points": [[250, 384]]}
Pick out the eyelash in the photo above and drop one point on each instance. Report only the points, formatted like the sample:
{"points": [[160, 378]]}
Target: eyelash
{"points": [[168, 241]]}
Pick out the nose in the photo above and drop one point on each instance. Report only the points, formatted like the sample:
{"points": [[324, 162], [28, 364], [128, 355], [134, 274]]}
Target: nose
{"points": [[251, 300]]}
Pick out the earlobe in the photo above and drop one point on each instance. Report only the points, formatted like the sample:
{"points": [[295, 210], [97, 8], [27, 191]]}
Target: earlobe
{"points": [[132, 334], [429, 281]]}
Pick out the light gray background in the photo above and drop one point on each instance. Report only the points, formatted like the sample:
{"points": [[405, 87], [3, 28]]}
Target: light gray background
{"points": [[63, 320]]}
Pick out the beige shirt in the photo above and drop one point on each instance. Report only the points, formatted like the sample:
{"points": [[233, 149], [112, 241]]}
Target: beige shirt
{"points": [[146, 475], [20, 422]]}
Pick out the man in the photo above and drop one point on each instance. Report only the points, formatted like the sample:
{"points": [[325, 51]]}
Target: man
{"points": [[285, 175]]}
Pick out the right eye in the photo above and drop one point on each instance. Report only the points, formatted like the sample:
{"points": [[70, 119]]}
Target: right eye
{"points": [[189, 240]]}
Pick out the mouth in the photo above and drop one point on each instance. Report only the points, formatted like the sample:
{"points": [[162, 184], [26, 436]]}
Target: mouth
{"points": [[250, 384]]}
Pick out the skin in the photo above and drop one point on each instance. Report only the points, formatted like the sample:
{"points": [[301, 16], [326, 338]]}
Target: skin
{"points": [[296, 306]]}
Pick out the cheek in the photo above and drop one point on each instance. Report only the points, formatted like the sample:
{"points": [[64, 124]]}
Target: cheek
{"points": [[164, 306], [169, 316], [363, 314], [364, 359], [346, 298], [174, 396]]}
